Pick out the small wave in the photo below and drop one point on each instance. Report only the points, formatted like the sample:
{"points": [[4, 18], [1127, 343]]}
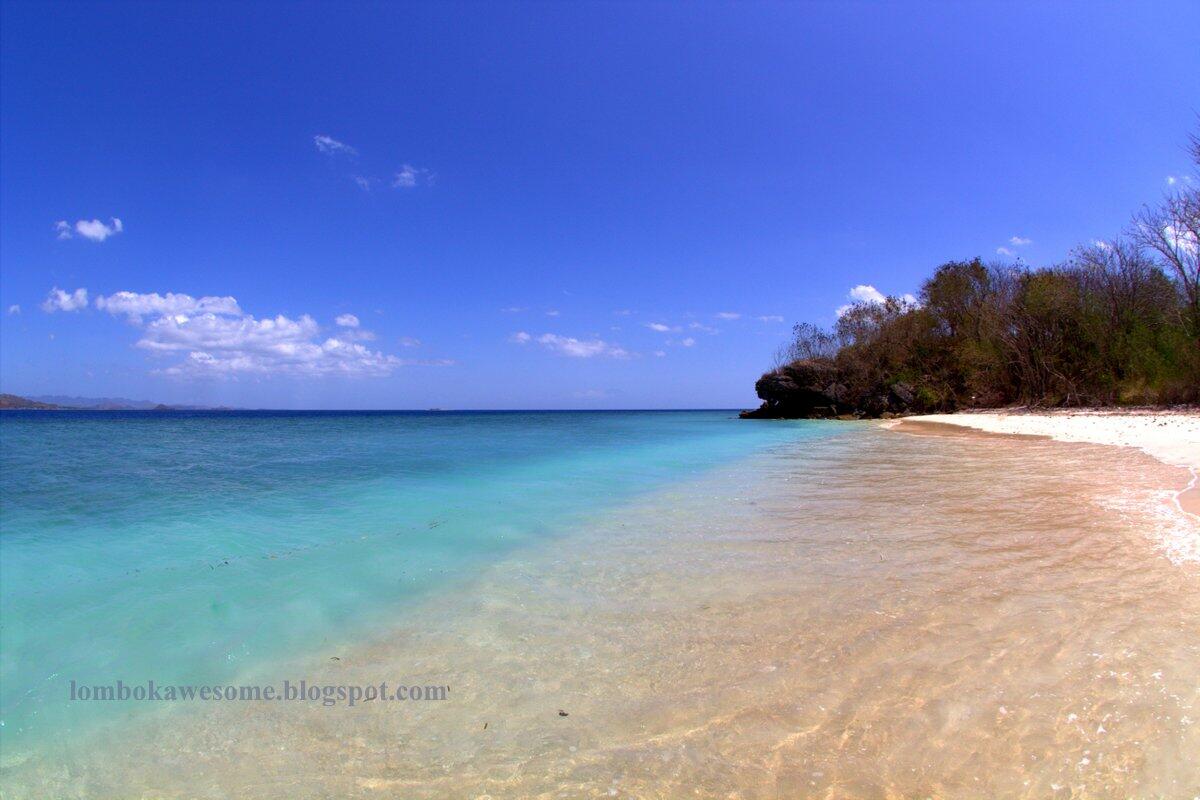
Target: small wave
{"points": [[1159, 513]]}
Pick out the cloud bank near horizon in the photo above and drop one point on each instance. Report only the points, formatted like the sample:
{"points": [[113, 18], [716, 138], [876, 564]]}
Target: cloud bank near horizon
{"points": [[212, 336]]}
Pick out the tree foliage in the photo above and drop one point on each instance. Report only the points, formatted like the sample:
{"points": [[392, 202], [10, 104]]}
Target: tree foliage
{"points": [[1118, 322]]}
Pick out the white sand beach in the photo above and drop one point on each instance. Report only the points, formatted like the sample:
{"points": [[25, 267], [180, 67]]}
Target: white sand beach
{"points": [[1170, 435]]}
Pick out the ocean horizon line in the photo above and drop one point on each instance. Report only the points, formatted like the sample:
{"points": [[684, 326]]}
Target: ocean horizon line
{"points": [[227, 410]]}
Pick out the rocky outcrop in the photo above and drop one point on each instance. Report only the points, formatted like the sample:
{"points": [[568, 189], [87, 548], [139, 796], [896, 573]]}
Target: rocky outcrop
{"points": [[799, 390], [816, 390]]}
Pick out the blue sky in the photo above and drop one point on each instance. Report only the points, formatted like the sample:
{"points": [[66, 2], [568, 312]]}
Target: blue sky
{"points": [[539, 205]]}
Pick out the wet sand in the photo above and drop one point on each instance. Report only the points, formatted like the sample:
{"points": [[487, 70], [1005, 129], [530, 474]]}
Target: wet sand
{"points": [[917, 425], [872, 616], [1170, 435]]}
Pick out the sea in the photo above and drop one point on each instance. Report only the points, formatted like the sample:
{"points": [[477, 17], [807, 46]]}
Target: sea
{"points": [[634, 603]]}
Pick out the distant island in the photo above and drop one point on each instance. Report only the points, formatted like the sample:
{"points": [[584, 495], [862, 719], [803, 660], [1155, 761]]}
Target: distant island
{"points": [[12, 402], [1116, 324]]}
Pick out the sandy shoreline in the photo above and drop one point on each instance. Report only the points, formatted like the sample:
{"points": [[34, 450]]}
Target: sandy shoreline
{"points": [[1171, 436]]}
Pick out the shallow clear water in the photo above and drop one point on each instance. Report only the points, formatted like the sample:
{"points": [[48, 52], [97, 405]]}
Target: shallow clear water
{"points": [[192, 547], [825, 610]]}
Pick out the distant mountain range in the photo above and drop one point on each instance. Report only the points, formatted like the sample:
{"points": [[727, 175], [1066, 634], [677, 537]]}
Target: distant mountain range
{"points": [[58, 402]]}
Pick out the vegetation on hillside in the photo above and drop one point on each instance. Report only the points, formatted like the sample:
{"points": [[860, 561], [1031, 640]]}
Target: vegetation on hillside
{"points": [[1117, 323]]}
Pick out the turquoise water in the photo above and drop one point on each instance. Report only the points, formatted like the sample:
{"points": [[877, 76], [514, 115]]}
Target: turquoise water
{"points": [[197, 547]]}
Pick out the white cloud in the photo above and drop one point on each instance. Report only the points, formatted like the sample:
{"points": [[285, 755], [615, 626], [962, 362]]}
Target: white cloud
{"points": [[331, 146], [863, 293], [409, 341], [728, 315], [910, 299], [14, 309], [554, 312], [580, 348], [696, 326], [688, 342], [659, 353], [513, 310], [91, 229], [135, 305], [770, 318], [623, 312], [215, 337], [217, 345], [1183, 240], [570, 346], [409, 176], [661, 327], [427, 362], [406, 178], [1015, 241], [58, 300], [1100, 243], [350, 330], [96, 230]]}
